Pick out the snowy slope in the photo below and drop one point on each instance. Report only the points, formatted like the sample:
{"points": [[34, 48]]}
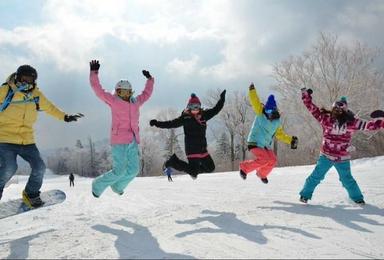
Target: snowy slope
{"points": [[216, 216]]}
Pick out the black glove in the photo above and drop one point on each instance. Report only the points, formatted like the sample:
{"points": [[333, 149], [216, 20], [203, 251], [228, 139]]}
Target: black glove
{"points": [[147, 74], [309, 91], [94, 65], [222, 95], [251, 86], [350, 116], [70, 118], [153, 122], [294, 142]]}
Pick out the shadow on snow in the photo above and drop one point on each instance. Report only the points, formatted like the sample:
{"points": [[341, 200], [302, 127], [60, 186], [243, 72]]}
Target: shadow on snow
{"points": [[19, 248], [341, 214], [228, 223], [137, 244]]}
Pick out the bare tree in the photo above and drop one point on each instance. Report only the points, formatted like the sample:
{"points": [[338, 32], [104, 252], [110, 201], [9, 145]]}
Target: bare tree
{"points": [[236, 117], [332, 69], [168, 140], [222, 152], [147, 156]]}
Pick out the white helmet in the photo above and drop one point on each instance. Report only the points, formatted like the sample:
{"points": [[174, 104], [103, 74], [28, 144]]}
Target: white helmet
{"points": [[123, 84]]}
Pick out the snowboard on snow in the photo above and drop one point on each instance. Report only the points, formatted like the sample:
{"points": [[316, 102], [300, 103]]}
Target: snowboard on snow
{"points": [[17, 206], [377, 114]]}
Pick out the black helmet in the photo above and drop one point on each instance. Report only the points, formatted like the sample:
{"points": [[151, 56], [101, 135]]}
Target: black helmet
{"points": [[26, 70]]}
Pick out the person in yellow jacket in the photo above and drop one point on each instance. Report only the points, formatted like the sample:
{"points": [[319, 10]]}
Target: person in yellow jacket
{"points": [[20, 100], [266, 126]]}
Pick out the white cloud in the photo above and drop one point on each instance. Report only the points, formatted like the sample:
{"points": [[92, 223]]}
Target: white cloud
{"points": [[183, 68], [218, 42], [369, 15], [74, 30]]}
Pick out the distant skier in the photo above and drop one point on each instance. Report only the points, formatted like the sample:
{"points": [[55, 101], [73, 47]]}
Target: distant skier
{"points": [[125, 136], [20, 100], [266, 126], [194, 121], [71, 180], [338, 125]]}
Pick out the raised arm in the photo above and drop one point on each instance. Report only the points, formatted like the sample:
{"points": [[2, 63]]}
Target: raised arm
{"points": [[95, 83], [255, 100], [306, 96], [209, 113], [148, 89]]}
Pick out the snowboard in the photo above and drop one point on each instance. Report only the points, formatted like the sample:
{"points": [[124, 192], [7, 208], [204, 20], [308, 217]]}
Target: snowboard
{"points": [[377, 113], [17, 206]]}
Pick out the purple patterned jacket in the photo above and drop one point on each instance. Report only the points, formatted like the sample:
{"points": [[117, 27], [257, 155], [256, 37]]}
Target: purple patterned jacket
{"points": [[336, 144]]}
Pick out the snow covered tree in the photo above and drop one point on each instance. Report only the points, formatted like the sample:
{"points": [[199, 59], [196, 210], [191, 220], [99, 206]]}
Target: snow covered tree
{"points": [[222, 152], [79, 145], [223, 147], [170, 137], [332, 68], [236, 118], [150, 161]]}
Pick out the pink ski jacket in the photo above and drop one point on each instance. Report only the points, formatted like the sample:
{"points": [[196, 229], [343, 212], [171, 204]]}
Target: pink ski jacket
{"points": [[125, 115], [336, 142]]}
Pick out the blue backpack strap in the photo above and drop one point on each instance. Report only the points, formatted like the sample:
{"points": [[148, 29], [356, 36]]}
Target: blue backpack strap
{"points": [[36, 100], [7, 99]]}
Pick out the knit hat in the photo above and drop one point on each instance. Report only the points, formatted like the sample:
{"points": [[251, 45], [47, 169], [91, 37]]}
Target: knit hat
{"points": [[123, 84], [341, 103], [194, 101], [271, 103]]}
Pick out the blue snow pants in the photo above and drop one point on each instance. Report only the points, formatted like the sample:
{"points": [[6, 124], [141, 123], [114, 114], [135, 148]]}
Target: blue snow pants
{"points": [[125, 167], [8, 165], [343, 169]]}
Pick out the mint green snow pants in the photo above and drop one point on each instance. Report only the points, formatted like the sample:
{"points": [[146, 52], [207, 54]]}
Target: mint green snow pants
{"points": [[343, 169], [126, 166]]}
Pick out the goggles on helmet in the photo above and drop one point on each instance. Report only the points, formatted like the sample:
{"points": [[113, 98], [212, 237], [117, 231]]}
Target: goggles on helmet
{"points": [[269, 111], [194, 106], [340, 105]]}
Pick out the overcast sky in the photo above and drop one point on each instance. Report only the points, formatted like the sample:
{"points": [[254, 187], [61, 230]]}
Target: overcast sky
{"points": [[188, 46]]}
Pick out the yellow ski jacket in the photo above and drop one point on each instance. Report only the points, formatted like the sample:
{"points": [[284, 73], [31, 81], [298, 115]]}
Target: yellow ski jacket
{"points": [[16, 122]]}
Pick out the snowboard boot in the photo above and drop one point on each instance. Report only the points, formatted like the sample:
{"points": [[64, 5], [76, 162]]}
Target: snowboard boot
{"points": [[93, 193], [360, 202], [117, 192], [193, 176], [169, 160], [32, 202], [304, 200], [243, 175], [264, 180]]}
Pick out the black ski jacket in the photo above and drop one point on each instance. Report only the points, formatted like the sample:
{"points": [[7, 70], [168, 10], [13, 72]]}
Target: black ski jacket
{"points": [[194, 127]]}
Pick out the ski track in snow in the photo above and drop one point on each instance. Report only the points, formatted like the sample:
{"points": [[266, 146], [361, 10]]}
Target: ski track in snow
{"points": [[216, 216]]}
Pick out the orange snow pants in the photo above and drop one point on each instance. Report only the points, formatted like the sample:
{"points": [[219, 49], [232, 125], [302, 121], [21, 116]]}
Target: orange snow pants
{"points": [[263, 164]]}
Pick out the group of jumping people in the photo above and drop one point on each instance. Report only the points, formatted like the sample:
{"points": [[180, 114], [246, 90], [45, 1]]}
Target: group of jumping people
{"points": [[21, 99]]}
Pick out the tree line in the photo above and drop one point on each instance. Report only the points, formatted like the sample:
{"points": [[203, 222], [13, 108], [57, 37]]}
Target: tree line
{"points": [[331, 67]]}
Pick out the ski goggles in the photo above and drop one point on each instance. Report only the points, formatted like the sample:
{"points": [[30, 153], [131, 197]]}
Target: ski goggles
{"points": [[269, 111], [340, 105], [125, 91], [194, 106]]}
